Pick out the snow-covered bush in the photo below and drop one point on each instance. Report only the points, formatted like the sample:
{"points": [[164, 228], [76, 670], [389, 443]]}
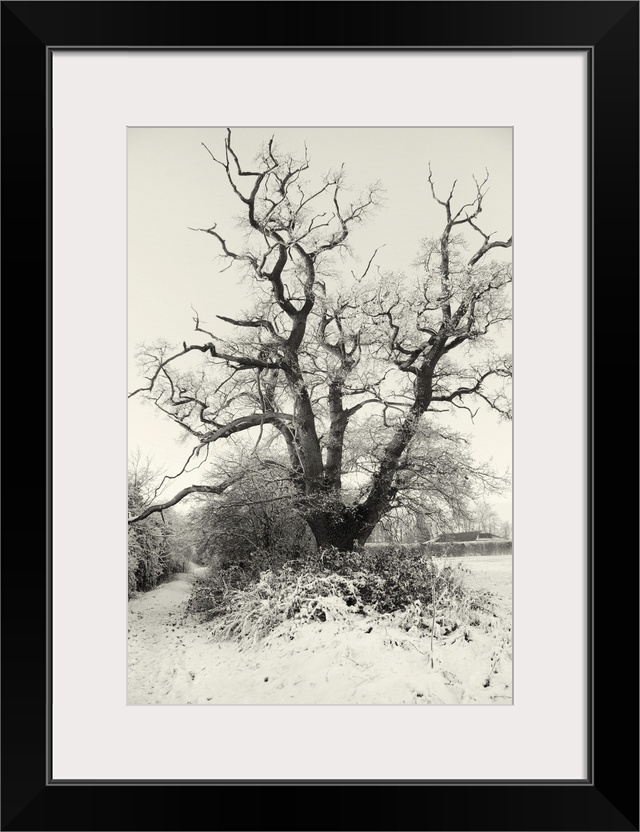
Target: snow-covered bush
{"points": [[155, 552], [382, 581], [393, 576]]}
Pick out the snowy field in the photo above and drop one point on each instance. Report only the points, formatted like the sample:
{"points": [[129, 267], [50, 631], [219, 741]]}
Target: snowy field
{"points": [[174, 660]]}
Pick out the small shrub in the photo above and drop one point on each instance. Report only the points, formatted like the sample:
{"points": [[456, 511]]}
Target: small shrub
{"points": [[255, 611], [394, 576], [235, 572]]}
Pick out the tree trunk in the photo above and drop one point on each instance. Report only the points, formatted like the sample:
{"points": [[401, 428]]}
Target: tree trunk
{"points": [[345, 528]]}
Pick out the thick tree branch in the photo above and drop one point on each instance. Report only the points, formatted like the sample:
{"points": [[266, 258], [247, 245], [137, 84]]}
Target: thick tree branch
{"points": [[487, 245], [260, 322], [242, 423], [191, 489]]}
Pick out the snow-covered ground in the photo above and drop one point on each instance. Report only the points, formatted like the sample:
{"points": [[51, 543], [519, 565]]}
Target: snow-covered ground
{"points": [[364, 660]]}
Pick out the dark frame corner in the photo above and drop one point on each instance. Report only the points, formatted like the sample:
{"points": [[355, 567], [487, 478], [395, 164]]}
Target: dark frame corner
{"points": [[608, 800]]}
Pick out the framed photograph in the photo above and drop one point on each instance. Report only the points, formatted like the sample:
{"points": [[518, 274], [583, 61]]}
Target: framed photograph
{"points": [[292, 243]]}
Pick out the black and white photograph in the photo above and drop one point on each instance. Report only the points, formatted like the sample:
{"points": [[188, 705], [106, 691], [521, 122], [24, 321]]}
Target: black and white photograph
{"points": [[327, 311], [319, 416]]}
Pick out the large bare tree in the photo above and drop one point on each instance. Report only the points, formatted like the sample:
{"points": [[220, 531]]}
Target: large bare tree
{"points": [[333, 372]]}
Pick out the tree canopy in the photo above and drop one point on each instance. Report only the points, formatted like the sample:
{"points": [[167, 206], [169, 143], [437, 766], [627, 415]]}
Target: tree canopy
{"points": [[337, 372]]}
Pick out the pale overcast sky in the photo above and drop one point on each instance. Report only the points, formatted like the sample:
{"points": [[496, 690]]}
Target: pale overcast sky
{"points": [[174, 185]]}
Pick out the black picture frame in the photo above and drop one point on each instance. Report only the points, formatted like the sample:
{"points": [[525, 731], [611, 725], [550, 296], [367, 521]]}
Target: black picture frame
{"points": [[608, 798]]}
